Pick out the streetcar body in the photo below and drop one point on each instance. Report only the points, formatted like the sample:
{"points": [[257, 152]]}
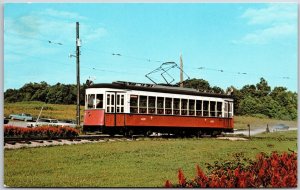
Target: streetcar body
{"points": [[133, 108]]}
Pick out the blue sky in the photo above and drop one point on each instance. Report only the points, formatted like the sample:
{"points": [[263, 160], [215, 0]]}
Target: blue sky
{"points": [[257, 39]]}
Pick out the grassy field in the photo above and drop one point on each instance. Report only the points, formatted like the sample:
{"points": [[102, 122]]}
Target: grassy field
{"points": [[240, 122], [69, 112], [146, 163], [56, 111]]}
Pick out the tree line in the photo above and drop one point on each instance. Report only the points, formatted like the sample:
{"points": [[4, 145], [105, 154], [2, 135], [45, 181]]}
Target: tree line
{"points": [[254, 100]]}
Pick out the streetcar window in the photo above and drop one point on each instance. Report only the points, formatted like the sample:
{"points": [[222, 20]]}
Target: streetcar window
{"points": [[120, 103], [205, 108], [168, 106], [108, 99], [230, 109], [151, 104], [219, 109], [191, 107], [133, 104], [226, 109], [212, 109], [85, 101], [143, 104], [91, 98], [122, 100], [160, 105], [184, 104], [112, 99], [199, 107], [176, 108], [118, 99], [99, 101]]}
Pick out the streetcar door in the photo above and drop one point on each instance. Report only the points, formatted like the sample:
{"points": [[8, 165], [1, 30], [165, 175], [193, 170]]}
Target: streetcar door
{"points": [[115, 106], [120, 99], [110, 102], [228, 112], [110, 109], [120, 109]]}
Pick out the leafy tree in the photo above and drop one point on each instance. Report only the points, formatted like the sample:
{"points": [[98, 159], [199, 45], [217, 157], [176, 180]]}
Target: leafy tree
{"points": [[263, 89], [199, 84], [217, 90], [248, 90], [249, 106]]}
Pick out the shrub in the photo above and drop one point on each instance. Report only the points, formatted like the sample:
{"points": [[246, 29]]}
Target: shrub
{"points": [[42, 131], [266, 171]]}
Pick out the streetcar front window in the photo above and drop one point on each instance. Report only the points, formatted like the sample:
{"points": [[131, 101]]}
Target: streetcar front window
{"points": [[90, 101], [99, 101]]}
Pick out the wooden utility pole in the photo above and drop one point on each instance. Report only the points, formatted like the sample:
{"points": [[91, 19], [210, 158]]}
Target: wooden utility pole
{"points": [[181, 71], [78, 74]]}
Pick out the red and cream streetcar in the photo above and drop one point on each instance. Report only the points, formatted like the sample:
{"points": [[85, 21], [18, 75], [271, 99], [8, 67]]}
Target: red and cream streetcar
{"points": [[135, 108]]}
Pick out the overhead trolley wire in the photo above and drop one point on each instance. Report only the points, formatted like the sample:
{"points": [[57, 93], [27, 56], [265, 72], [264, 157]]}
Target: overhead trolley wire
{"points": [[118, 54], [241, 73]]}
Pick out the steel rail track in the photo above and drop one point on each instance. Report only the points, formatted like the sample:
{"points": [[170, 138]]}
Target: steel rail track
{"points": [[13, 140]]}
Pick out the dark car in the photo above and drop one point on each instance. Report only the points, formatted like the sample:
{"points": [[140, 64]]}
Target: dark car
{"points": [[5, 120], [280, 127]]}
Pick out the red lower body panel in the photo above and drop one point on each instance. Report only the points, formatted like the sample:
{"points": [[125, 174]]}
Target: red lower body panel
{"points": [[139, 120], [93, 117]]}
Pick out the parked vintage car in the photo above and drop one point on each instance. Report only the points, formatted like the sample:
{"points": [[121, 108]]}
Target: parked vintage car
{"points": [[49, 122], [280, 127], [22, 116]]}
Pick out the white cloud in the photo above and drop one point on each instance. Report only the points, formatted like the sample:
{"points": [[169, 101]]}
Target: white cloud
{"points": [[30, 33], [62, 14], [92, 34], [273, 13], [267, 34], [276, 21]]}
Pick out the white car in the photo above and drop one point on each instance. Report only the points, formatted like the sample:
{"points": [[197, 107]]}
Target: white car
{"points": [[50, 122]]}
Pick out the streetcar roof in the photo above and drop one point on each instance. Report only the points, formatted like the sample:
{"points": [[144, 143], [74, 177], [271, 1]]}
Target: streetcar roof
{"points": [[158, 88]]}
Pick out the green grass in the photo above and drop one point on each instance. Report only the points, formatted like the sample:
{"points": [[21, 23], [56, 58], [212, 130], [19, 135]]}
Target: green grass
{"points": [[279, 135], [146, 163]]}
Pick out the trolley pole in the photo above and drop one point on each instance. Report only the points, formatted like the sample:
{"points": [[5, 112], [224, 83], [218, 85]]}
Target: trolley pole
{"points": [[78, 74], [181, 71]]}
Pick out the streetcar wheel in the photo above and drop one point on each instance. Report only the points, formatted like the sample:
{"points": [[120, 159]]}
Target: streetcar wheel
{"points": [[199, 134], [129, 133], [148, 133], [111, 134], [215, 133]]}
